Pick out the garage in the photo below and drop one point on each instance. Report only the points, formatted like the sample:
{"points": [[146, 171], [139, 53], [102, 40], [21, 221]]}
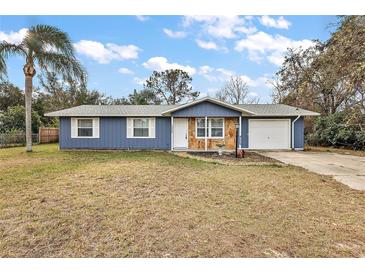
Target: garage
{"points": [[269, 134]]}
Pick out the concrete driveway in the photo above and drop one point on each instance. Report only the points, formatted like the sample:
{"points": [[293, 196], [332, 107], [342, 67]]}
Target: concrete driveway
{"points": [[347, 169]]}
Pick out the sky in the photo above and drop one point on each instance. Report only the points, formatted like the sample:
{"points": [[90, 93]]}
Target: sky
{"points": [[120, 52]]}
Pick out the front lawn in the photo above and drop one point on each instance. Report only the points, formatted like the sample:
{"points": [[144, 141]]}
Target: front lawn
{"points": [[155, 204]]}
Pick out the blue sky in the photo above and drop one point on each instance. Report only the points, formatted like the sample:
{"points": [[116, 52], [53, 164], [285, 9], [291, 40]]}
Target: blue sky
{"points": [[120, 52]]}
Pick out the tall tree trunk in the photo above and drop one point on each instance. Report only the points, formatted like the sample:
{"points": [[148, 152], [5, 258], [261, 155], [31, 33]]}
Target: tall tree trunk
{"points": [[28, 112], [29, 72]]}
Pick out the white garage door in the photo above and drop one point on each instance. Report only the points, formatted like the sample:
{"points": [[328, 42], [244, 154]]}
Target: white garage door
{"points": [[269, 134]]}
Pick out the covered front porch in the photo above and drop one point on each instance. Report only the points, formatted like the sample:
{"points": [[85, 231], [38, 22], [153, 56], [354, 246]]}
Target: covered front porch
{"points": [[206, 133]]}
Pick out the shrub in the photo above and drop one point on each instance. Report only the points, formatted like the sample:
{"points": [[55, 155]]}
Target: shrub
{"points": [[14, 119], [335, 130]]}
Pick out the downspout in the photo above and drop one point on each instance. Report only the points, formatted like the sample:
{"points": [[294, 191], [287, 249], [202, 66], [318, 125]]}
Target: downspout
{"points": [[206, 134], [240, 133], [172, 133], [292, 131]]}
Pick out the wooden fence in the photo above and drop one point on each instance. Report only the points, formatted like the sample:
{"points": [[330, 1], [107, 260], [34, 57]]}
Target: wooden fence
{"points": [[48, 135]]}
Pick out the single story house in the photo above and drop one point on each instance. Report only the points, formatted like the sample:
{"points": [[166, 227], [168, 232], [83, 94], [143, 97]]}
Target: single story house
{"points": [[200, 125]]}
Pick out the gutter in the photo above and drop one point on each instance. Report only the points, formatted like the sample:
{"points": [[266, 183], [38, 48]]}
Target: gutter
{"points": [[292, 131]]}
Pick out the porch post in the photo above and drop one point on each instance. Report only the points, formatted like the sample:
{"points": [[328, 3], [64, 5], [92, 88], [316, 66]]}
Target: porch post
{"points": [[206, 133], [172, 133], [240, 133]]}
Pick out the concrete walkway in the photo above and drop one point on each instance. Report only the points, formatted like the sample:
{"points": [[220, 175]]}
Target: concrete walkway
{"points": [[347, 169]]}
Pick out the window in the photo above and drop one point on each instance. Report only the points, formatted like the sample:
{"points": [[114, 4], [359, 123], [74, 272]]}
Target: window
{"points": [[84, 127], [214, 129], [140, 127], [200, 127]]}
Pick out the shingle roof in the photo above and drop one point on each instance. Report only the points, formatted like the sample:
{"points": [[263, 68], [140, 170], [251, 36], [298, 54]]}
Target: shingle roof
{"points": [[277, 110], [112, 110], [157, 110]]}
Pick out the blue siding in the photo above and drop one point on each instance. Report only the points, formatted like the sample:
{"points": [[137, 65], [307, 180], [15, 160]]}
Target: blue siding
{"points": [[298, 131], [206, 109], [244, 132], [113, 135]]}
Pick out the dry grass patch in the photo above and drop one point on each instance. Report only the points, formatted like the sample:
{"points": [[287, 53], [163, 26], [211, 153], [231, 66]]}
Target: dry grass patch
{"points": [[250, 158], [336, 150], [151, 204]]}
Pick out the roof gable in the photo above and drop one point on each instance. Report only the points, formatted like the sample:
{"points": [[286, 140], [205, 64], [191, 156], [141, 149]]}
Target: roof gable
{"points": [[210, 100], [206, 108]]}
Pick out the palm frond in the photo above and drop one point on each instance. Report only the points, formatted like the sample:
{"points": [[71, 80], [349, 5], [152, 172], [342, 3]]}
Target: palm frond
{"points": [[6, 50], [67, 66], [46, 38]]}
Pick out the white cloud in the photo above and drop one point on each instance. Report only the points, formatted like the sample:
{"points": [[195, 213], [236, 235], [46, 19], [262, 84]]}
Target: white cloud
{"points": [[276, 58], [142, 18], [246, 30], [225, 72], [125, 71], [190, 19], [223, 75], [280, 23], [262, 45], [161, 63], [174, 34], [206, 44], [219, 26], [104, 54], [13, 37], [204, 70], [258, 82], [124, 52], [215, 74], [139, 81], [225, 27]]}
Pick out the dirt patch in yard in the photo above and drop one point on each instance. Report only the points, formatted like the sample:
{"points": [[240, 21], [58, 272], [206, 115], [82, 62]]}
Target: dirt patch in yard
{"points": [[251, 158]]}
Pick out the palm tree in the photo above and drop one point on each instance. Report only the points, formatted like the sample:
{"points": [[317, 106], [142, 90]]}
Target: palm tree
{"points": [[50, 49]]}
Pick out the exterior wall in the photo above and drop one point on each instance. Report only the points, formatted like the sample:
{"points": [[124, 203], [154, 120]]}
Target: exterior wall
{"points": [[229, 136], [206, 109], [113, 135], [244, 132], [298, 131]]}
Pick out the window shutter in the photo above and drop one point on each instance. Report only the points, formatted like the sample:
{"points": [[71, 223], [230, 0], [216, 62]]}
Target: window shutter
{"points": [[129, 127], [96, 128], [152, 126], [73, 128]]}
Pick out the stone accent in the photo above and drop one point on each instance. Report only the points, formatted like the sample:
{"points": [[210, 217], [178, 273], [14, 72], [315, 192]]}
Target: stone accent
{"points": [[229, 136]]}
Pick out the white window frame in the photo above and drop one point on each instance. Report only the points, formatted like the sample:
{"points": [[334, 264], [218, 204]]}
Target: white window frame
{"points": [[75, 127], [151, 128], [196, 128], [208, 128]]}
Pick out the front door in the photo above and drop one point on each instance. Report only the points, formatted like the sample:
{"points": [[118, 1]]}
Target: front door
{"points": [[180, 133]]}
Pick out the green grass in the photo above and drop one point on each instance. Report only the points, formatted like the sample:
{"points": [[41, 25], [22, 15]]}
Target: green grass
{"points": [[155, 204]]}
